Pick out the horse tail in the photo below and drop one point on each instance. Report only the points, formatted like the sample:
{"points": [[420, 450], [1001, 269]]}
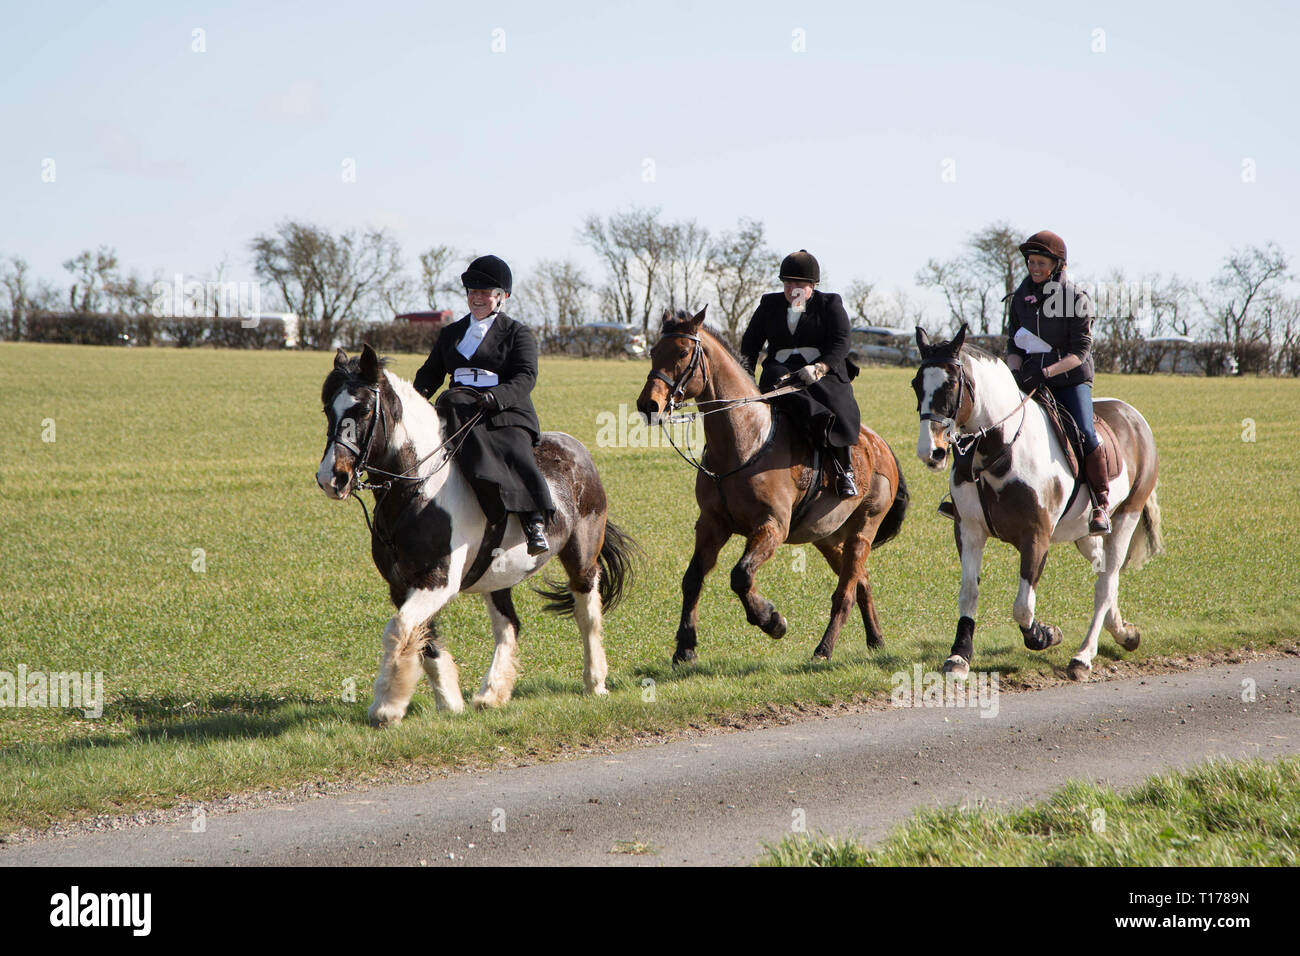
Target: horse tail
{"points": [[1147, 541], [616, 561], [893, 520]]}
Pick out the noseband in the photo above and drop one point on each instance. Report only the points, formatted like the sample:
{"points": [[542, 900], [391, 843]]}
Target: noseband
{"points": [[677, 387]]}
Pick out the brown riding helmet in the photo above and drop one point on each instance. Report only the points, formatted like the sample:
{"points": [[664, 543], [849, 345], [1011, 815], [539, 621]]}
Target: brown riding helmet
{"points": [[800, 267], [1044, 243]]}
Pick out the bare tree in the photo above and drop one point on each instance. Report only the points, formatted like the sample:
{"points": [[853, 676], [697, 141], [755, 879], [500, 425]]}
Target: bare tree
{"points": [[558, 294], [634, 246], [996, 261], [741, 267], [440, 277], [326, 279], [860, 299], [23, 294], [92, 273], [1246, 278], [972, 298], [684, 264]]}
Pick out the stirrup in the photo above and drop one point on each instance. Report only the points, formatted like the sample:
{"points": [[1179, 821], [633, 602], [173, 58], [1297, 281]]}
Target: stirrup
{"points": [[1099, 525], [947, 508], [845, 486]]}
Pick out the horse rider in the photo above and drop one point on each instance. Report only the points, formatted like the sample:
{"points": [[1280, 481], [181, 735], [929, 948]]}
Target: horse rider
{"points": [[1049, 345], [492, 360], [806, 333]]}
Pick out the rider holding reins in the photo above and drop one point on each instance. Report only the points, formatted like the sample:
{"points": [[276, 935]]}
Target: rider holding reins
{"points": [[492, 360], [1049, 344], [806, 333]]}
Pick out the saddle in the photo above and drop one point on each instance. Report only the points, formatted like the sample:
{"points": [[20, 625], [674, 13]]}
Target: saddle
{"points": [[1071, 439]]}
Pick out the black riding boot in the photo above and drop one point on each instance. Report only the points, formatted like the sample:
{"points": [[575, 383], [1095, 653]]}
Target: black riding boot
{"points": [[845, 486], [533, 524]]}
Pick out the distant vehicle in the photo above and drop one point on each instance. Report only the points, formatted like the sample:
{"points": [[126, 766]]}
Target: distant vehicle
{"points": [[290, 320], [597, 339], [883, 343]]}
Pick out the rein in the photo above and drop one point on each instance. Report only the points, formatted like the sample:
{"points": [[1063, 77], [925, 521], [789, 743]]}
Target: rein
{"points": [[964, 443], [450, 446], [677, 388]]}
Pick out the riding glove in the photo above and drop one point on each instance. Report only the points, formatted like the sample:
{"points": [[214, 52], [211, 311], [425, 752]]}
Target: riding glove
{"points": [[810, 373]]}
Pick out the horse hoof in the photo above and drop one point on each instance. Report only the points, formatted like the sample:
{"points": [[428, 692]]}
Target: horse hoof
{"points": [[957, 666], [1132, 637], [1079, 671], [821, 654], [600, 690], [684, 655], [488, 701], [777, 630], [383, 716]]}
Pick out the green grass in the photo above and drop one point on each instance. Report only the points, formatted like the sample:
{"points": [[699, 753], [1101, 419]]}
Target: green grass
{"points": [[235, 678], [1218, 814]]}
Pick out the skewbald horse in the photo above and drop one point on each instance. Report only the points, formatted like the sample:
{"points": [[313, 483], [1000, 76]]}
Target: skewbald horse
{"points": [[1020, 490], [758, 471], [430, 539]]}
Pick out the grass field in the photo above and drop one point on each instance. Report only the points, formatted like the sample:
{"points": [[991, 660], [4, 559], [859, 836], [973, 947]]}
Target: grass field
{"points": [[237, 677], [1218, 814]]}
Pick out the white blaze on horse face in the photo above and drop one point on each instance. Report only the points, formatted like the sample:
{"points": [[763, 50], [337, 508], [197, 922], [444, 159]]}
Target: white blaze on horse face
{"points": [[343, 403], [931, 436]]}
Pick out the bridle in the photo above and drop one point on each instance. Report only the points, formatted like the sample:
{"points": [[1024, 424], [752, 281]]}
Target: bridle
{"points": [[449, 447], [677, 387], [949, 423], [964, 443]]}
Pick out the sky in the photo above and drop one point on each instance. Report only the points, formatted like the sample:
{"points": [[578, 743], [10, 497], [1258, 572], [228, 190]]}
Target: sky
{"points": [[1154, 137]]}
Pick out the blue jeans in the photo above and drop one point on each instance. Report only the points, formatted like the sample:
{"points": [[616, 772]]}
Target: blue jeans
{"points": [[1077, 400]]}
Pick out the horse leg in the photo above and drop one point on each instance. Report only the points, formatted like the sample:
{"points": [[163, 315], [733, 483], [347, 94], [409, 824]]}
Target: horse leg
{"points": [[759, 611], [971, 538], [499, 681], [709, 540], [443, 675], [1033, 558], [399, 668], [866, 603], [587, 611], [1107, 556]]}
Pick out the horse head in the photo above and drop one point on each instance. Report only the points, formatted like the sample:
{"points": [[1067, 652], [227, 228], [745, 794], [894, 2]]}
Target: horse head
{"points": [[678, 365], [944, 396], [352, 401]]}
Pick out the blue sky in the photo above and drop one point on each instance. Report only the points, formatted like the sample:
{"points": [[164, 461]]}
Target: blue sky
{"points": [[176, 158]]}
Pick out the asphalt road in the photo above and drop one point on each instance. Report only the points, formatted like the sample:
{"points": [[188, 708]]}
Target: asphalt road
{"points": [[718, 799]]}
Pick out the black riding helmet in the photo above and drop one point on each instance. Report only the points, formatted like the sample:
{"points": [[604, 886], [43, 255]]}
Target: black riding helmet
{"points": [[800, 267], [487, 272]]}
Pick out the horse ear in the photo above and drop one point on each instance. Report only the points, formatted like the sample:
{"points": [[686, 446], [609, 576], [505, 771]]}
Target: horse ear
{"points": [[959, 340], [369, 364], [340, 359], [922, 339], [699, 317], [667, 315]]}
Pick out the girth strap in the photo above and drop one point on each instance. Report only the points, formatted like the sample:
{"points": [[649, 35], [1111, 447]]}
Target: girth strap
{"points": [[488, 549]]}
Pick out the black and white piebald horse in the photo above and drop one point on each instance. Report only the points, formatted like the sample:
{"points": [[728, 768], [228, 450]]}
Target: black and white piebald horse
{"points": [[431, 540], [1019, 488]]}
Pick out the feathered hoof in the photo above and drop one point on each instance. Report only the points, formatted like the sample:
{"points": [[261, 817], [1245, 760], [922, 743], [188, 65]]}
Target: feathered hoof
{"points": [[598, 690], [1078, 670], [490, 700], [385, 715], [957, 666], [1132, 637]]}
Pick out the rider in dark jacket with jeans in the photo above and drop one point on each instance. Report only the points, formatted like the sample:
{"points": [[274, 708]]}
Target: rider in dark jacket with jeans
{"points": [[1049, 345]]}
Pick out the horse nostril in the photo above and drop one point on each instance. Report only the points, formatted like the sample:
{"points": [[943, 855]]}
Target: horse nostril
{"points": [[938, 454]]}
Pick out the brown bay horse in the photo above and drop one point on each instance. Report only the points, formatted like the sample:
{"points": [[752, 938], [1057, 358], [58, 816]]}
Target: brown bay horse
{"points": [[756, 471]]}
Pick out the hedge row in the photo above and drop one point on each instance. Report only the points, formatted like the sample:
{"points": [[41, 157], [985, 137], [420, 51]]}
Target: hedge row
{"points": [[88, 328]]}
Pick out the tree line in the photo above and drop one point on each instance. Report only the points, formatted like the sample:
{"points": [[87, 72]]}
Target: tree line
{"points": [[337, 283]]}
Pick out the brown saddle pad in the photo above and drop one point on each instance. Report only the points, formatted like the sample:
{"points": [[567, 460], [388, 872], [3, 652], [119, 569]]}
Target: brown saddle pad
{"points": [[1068, 437]]}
